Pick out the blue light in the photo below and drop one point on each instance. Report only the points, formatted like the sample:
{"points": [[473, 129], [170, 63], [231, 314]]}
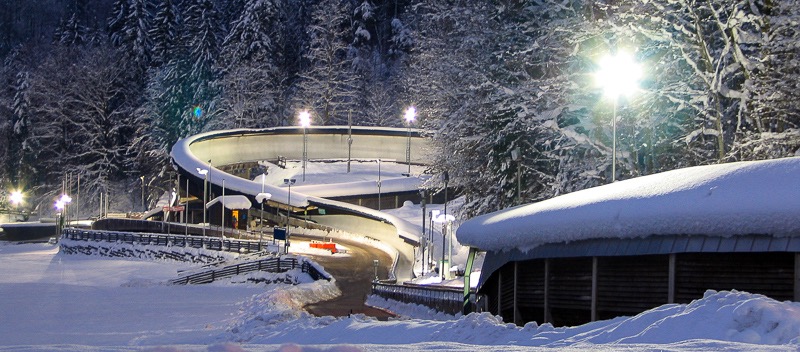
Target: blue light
{"points": [[198, 112]]}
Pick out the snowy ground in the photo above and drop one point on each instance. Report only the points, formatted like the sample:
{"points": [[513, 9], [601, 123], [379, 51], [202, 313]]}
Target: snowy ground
{"points": [[51, 301]]}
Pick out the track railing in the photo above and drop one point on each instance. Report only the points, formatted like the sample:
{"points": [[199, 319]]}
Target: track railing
{"points": [[273, 265], [442, 299], [212, 243]]}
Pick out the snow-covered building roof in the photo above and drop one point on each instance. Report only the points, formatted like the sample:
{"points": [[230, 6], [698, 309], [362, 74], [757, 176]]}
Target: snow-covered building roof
{"points": [[231, 202], [741, 198]]}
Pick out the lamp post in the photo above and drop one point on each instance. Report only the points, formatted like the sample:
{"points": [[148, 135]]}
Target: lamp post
{"points": [[515, 156], [349, 138], [61, 205], [222, 220], [16, 199], [261, 198], [379, 184], [410, 116], [618, 75], [290, 182], [424, 239], [204, 172], [435, 218], [142, 179], [375, 264], [305, 121]]}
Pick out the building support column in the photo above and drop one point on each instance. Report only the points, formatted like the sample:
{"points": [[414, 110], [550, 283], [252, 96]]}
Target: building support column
{"points": [[467, 305], [516, 278], [594, 289], [546, 291], [671, 284], [500, 292], [797, 277]]}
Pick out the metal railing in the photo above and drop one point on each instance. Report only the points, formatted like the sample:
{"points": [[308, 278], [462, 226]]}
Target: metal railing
{"points": [[449, 300], [212, 243], [274, 265]]}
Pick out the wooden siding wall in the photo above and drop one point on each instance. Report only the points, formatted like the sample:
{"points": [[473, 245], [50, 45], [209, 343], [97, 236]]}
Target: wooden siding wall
{"points": [[573, 291]]}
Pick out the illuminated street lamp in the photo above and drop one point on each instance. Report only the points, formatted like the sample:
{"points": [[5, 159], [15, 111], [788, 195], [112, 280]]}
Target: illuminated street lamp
{"points": [[204, 172], [16, 198], [290, 182], [61, 205], [410, 116], [305, 121], [261, 198], [618, 75], [445, 219]]}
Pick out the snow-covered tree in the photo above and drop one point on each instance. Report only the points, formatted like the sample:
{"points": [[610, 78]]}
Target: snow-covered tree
{"points": [[81, 118], [165, 32], [327, 85], [776, 113], [73, 33], [19, 151], [129, 30], [251, 84]]}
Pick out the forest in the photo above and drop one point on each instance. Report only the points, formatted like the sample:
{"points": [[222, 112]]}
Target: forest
{"points": [[100, 90]]}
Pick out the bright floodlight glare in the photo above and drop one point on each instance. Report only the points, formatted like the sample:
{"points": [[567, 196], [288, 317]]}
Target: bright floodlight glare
{"points": [[202, 171], [59, 205], [16, 197], [618, 75], [65, 199], [411, 114], [305, 118]]}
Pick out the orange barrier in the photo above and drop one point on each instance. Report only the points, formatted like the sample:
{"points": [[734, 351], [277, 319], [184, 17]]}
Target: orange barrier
{"points": [[324, 245]]}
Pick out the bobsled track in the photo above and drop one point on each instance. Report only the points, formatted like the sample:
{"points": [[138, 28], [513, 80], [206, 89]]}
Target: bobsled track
{"points": [[317, 205]]}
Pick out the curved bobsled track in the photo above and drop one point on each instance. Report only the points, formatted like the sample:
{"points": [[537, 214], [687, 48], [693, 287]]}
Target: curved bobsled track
{"points": [[208, 151]]}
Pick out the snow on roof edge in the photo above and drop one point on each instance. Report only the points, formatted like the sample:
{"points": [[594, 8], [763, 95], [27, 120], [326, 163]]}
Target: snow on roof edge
{"points": [[755, 197]]}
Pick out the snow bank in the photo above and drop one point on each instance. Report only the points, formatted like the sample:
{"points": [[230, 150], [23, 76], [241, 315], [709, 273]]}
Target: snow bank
{"points": [[757, 197], [725, 316], [733, 317], [408, 310]]}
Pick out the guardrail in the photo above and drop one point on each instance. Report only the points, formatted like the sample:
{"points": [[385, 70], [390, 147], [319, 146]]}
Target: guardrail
{"points": [[212, 243], [443, 299], [274, 265]]}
